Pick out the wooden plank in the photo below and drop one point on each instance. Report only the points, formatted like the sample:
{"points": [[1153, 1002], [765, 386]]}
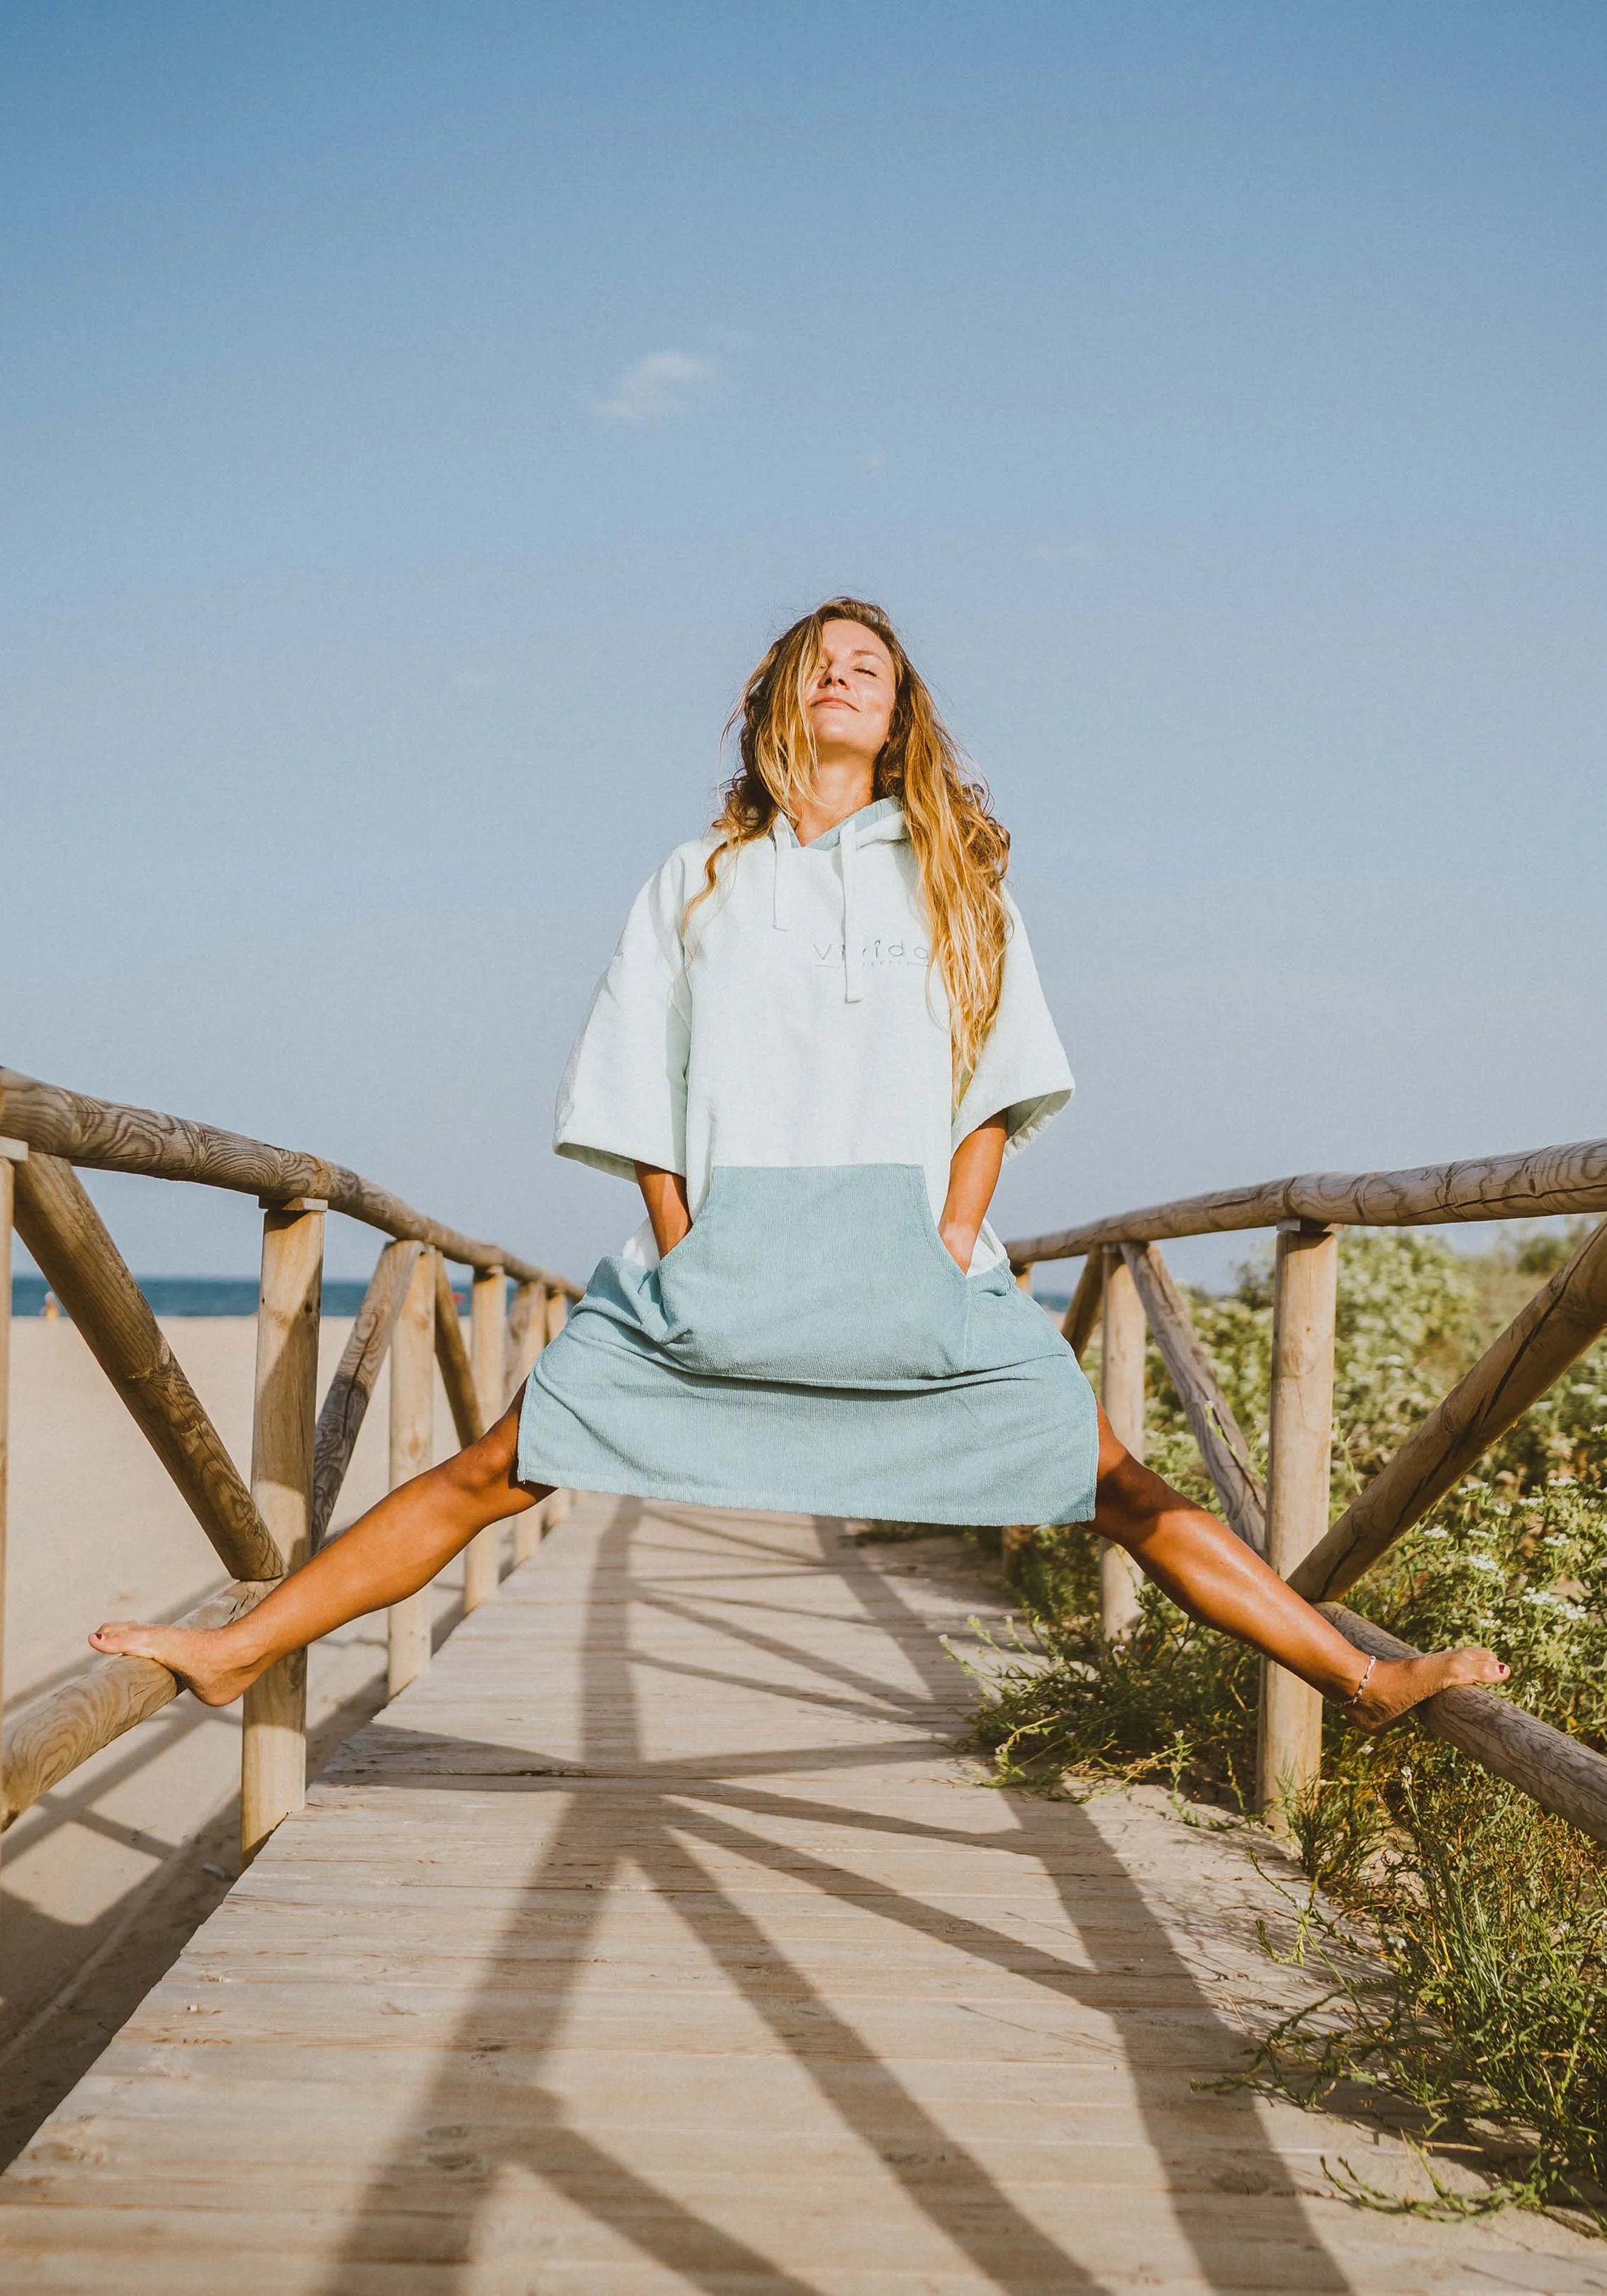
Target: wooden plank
{"points": [[273, 1757], [826, 2021], [86, 1271], [1082, 1313], [457, 1375], [488, 1349], [1562, 1774], [351, 1390], [1552, 1331], [1289, 1742], [48, 1738], [110, 1137], [413, 1405], [1211, 1419], [1570, 1179], [1122, 1393]]}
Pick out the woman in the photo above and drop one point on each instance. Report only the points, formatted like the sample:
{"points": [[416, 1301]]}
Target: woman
{"points": [[820, 1035]]}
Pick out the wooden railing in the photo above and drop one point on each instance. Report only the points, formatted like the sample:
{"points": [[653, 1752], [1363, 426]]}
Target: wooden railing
{"points": [[299, 1453], [1125, 1286]]}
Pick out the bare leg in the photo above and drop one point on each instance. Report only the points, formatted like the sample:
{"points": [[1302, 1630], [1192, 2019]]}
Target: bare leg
{"points": [[1215, 1578], [393, 1550]]}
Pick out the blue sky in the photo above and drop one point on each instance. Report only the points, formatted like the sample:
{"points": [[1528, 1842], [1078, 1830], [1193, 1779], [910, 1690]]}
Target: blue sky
{"points": [[413, 421]]}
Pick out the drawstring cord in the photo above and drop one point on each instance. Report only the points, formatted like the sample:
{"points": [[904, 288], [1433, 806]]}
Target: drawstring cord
{"points": [[784, 843], [854, 983], [780, 910]]}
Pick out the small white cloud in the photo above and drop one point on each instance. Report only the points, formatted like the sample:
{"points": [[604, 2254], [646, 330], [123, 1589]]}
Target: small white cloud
{"points": [[664, 382]]}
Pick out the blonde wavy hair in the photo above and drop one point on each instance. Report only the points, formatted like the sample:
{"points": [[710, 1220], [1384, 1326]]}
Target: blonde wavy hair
{"points": [[960, 850]]}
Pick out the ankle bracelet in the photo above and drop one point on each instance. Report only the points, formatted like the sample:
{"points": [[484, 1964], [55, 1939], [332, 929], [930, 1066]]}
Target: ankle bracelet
{"points": [[1361, 1686]]}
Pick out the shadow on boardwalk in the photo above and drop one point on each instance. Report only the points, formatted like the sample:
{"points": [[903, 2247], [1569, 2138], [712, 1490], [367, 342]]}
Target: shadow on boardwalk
{"points": [[984, 2190]]}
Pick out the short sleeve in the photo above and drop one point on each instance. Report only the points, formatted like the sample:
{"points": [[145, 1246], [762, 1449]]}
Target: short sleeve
{"points": [[1022, 1073], [622, 1099]]}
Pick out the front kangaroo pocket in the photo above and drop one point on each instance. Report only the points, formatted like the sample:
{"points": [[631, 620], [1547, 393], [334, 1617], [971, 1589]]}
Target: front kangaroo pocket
{"points": [[822, 1275]]}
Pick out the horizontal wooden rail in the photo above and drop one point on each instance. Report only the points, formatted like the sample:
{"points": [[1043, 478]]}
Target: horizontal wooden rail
{"points": [[108, 1138], [1563, 1776], [1522, 1186], [49, 1737]]}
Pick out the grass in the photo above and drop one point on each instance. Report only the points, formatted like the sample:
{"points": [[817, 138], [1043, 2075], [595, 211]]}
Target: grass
{"points": [[1485, 2018]]}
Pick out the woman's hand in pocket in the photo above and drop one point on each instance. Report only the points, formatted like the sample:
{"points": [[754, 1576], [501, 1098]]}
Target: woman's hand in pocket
{"points": [[972, 1176], [665, 1196], [959, 1242]]}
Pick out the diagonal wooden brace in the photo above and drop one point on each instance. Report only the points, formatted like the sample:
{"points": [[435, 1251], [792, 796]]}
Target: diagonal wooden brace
{"points": [[345, 1406], [86, 1272], [457, 1374], [1211, 1419], [1082, 1313]]}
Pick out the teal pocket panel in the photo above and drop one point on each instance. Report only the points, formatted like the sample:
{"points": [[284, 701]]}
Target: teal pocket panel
{"points": [[819, 1275]]}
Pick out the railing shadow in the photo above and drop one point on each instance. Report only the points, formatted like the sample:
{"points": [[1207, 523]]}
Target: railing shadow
{"points": [[427, 2200]]}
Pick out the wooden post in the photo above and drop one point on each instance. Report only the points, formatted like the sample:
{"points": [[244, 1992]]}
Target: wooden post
{"points": [[1122, 1393], [529, 1327], [11, 1152], [273, 1757], [488, 1355], [1290, 1731], [532, 1527], [557, 1506], [412, 1413]]}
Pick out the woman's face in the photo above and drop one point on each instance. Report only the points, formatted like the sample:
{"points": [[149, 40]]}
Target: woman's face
{"points": [[851, 701]]}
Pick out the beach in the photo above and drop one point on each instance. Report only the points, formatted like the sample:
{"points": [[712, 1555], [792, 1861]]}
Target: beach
{"points": [[102, 1881]]}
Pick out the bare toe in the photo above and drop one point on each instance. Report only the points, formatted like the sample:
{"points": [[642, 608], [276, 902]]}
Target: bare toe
{"points": [[123, 1639], [1473, 1664]]}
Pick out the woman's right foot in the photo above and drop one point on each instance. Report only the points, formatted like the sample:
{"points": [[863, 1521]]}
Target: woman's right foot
{"points": [[1395, 1685], [200, 1657]]}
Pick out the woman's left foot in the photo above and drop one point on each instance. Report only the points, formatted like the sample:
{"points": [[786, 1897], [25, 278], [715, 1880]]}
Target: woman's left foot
{"points": [[1396, 1686]]}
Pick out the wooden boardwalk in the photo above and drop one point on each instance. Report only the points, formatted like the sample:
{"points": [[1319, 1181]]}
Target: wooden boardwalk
{"points": [[658, 1939]]}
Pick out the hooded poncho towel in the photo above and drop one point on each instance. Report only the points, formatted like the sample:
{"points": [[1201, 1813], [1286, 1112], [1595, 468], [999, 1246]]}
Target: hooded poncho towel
{"points": [[810, 1345]]}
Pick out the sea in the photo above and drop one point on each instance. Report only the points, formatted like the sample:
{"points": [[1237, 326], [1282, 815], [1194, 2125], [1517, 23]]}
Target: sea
{"points": [[197, 1295]]}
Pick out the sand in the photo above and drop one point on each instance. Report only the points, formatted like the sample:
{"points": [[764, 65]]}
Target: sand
{"points": [[103, 1882]]}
